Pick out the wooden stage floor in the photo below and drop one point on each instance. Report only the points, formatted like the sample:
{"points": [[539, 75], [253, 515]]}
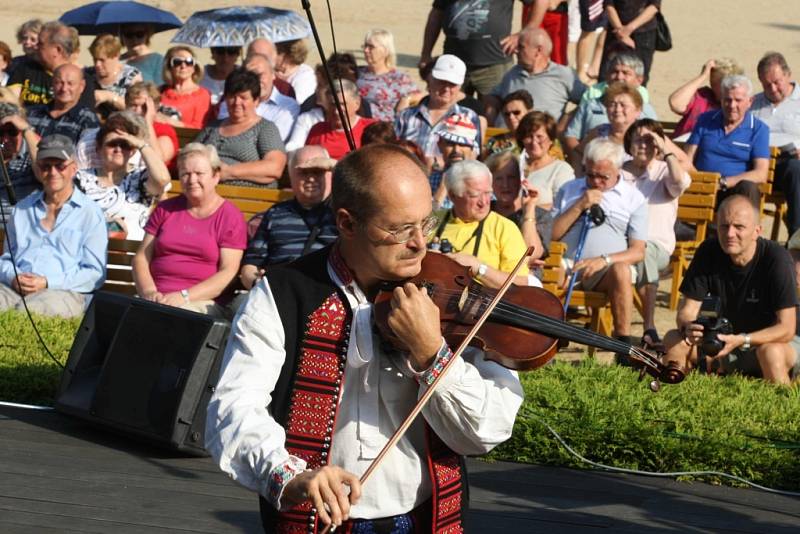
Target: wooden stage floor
{"points": [[60, 475]]}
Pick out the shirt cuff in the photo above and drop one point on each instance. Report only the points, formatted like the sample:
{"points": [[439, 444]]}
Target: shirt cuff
{"points": [[441, 360], [280, 476]]}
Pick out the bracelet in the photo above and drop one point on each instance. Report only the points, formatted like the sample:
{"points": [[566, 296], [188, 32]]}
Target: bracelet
{"points": [[531, 219], [668, 154], [144, 146]]}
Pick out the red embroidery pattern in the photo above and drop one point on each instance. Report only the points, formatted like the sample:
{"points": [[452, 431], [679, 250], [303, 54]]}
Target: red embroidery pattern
{"points": [[315, 398], [340, 267], [445, 470]]}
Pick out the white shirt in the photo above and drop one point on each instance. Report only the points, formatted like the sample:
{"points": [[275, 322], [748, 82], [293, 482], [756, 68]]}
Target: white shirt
{"points": [[783, 120], [303, 81], [473, 409], [302, 126], [278, 108]]}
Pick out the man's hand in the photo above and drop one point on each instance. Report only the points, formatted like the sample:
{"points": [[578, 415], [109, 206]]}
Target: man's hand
{"points": [[590, 198], [732, 341], [467, 260], [590, 266], [692, 333], [29, 283], [415, 321], [324, 488], [510, 44]]}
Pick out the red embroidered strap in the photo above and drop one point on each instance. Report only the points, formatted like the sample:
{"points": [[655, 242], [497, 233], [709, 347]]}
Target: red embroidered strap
{"points": [[315, 399], [339, 266], [444, 467]]}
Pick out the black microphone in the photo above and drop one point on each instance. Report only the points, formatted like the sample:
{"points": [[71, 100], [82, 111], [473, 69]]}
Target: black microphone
{"points": [[596, 214], [12, 197]]}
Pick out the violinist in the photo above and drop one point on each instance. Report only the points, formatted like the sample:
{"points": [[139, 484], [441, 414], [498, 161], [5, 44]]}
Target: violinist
{"points": [[308, 393], [477, 237]]}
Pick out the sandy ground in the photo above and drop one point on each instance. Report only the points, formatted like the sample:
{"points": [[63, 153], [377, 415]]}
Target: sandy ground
{"points": [[702, 29]]}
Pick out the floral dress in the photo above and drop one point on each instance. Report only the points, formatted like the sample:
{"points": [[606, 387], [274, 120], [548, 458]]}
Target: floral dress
{"points": [[382, 91], [128, 201], [123, 81]]}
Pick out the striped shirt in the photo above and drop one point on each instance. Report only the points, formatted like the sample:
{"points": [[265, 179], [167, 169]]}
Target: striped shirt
{"points": [[72, 123], [284, 230]]}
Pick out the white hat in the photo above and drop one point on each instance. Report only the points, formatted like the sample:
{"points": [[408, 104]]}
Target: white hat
{"points": [[449, 68]]}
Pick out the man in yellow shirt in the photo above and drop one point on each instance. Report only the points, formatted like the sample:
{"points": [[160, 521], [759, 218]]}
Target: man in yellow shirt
{"points": [[486, 242]]}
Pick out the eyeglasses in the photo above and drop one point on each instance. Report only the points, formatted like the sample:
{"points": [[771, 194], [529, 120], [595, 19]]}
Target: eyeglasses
{"points": [[513, 113], [406, 233], [176, 62], [119, 143], [141, 34], [9, 132], [227, 50], [60, 167]]}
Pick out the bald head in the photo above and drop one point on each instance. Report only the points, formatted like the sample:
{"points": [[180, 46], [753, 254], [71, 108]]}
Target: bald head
{"points": [[264, 47], [68, 85], [533, 50], [738, 228], [260, 64]]}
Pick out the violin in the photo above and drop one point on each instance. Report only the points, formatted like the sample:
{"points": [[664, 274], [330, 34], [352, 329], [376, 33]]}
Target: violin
{"points": [[522, 332]]}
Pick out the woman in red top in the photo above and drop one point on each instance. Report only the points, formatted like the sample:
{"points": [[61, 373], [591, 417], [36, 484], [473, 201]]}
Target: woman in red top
{"points": [[143, 99], [181, 95]]}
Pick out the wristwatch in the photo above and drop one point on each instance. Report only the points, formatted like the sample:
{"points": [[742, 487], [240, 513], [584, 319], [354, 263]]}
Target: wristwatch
{"points": [[607, 259], [723, 183], [185, 294], [482, 268], [746, 344]]}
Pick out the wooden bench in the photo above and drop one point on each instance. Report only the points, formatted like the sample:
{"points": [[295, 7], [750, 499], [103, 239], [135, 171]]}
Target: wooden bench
{"points": [[250, 200], [596, 304], [776, 198], [186, 135], [695, 207]]}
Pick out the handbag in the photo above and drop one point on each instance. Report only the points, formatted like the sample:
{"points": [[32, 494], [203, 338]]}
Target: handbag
{"points": [[663, 35]]}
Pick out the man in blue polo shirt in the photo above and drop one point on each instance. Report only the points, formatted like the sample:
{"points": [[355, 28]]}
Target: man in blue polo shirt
{"points": [[732, 142]]}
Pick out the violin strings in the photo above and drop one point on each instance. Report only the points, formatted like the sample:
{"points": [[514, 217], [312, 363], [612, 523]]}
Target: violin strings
{"points": [[555, 327]]}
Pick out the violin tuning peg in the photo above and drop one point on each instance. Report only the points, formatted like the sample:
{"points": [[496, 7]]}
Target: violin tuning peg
{"points": [[655, 386]]}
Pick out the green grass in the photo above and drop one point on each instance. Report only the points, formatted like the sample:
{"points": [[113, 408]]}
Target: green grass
{"points": [[744, 427], [27, 374]]}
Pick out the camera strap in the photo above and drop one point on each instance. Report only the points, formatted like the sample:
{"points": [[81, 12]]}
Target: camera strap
{"points": [[477, 234]]}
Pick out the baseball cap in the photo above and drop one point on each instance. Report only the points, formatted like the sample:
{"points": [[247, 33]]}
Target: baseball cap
{"points": [[449, 68], [319, 162], [459, 129], [56, 146]]}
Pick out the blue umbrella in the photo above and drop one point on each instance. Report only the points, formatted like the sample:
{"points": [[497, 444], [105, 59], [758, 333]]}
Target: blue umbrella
{"points": [[238, 26], [106, 17]]}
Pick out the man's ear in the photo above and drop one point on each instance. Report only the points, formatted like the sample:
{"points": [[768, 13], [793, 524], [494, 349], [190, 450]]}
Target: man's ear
{"points": [[345, 222]]}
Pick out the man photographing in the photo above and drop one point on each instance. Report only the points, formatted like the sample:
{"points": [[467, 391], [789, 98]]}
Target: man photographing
{"points": [[755, 283]]}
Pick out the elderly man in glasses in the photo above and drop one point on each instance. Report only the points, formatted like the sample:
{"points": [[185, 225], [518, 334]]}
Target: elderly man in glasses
{"points": [[18, 144], [611, 249], [489, 244], [309, 394], [55, 250]]}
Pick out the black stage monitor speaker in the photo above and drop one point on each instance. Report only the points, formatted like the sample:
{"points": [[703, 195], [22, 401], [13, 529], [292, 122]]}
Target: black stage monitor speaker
{"points": [[144, 369]]}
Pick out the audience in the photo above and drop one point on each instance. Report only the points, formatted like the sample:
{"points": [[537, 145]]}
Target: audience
{"points": [[421, 123], [779, 108], [124, 195], [551, 85], [187, 104], [380, 83], [65, 114], [754, 282], [250, 147], [658, 175], [273, 106], [612, 249], [136, 38], [58, 239], [290, 66], [295, 227], [113, 77], [732, 142], [214, 74], [482, 240], [330, 133], [513, 107], [701, 94], [194, 242], [543, 173]]}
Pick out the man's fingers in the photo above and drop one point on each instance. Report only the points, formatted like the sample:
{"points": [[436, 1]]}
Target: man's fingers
{"points": [[355, 486], [319, 504], [331, 501]]}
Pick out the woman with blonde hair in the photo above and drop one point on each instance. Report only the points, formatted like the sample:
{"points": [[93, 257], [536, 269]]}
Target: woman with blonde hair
{"points": [[182, 97], [701, 93], [290, 66], [193, 242], [379, 82], [112, 75]]}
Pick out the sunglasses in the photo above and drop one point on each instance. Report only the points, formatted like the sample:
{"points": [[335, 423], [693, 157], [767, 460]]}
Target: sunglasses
{"points": [[119, 143], [60, 167], [141, 34], [227, 50], [176, 62], [9, 132]]}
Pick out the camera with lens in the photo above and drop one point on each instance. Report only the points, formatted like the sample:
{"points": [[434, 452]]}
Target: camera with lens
{"points": [[444, 246], [713, 325]]}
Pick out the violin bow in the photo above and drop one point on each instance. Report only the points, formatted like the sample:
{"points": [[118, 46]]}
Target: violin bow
{"points": [[423, 400]]}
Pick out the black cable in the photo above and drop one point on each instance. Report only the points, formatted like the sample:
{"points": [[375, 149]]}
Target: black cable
{"points": [[7, 179]]}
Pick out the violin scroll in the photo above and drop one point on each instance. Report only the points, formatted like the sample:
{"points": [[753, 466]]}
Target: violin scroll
{"points": [[669, 373]]}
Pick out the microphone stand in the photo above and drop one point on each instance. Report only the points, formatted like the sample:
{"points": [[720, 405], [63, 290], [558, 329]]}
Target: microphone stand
{"points": [[334, 93], [596, 215], [12, 197]]}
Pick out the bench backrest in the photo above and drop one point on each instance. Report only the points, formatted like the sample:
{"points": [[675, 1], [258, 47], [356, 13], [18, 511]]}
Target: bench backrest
{"points": [[186, 135], [696, 204], [119, 276], [249, 200]]}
